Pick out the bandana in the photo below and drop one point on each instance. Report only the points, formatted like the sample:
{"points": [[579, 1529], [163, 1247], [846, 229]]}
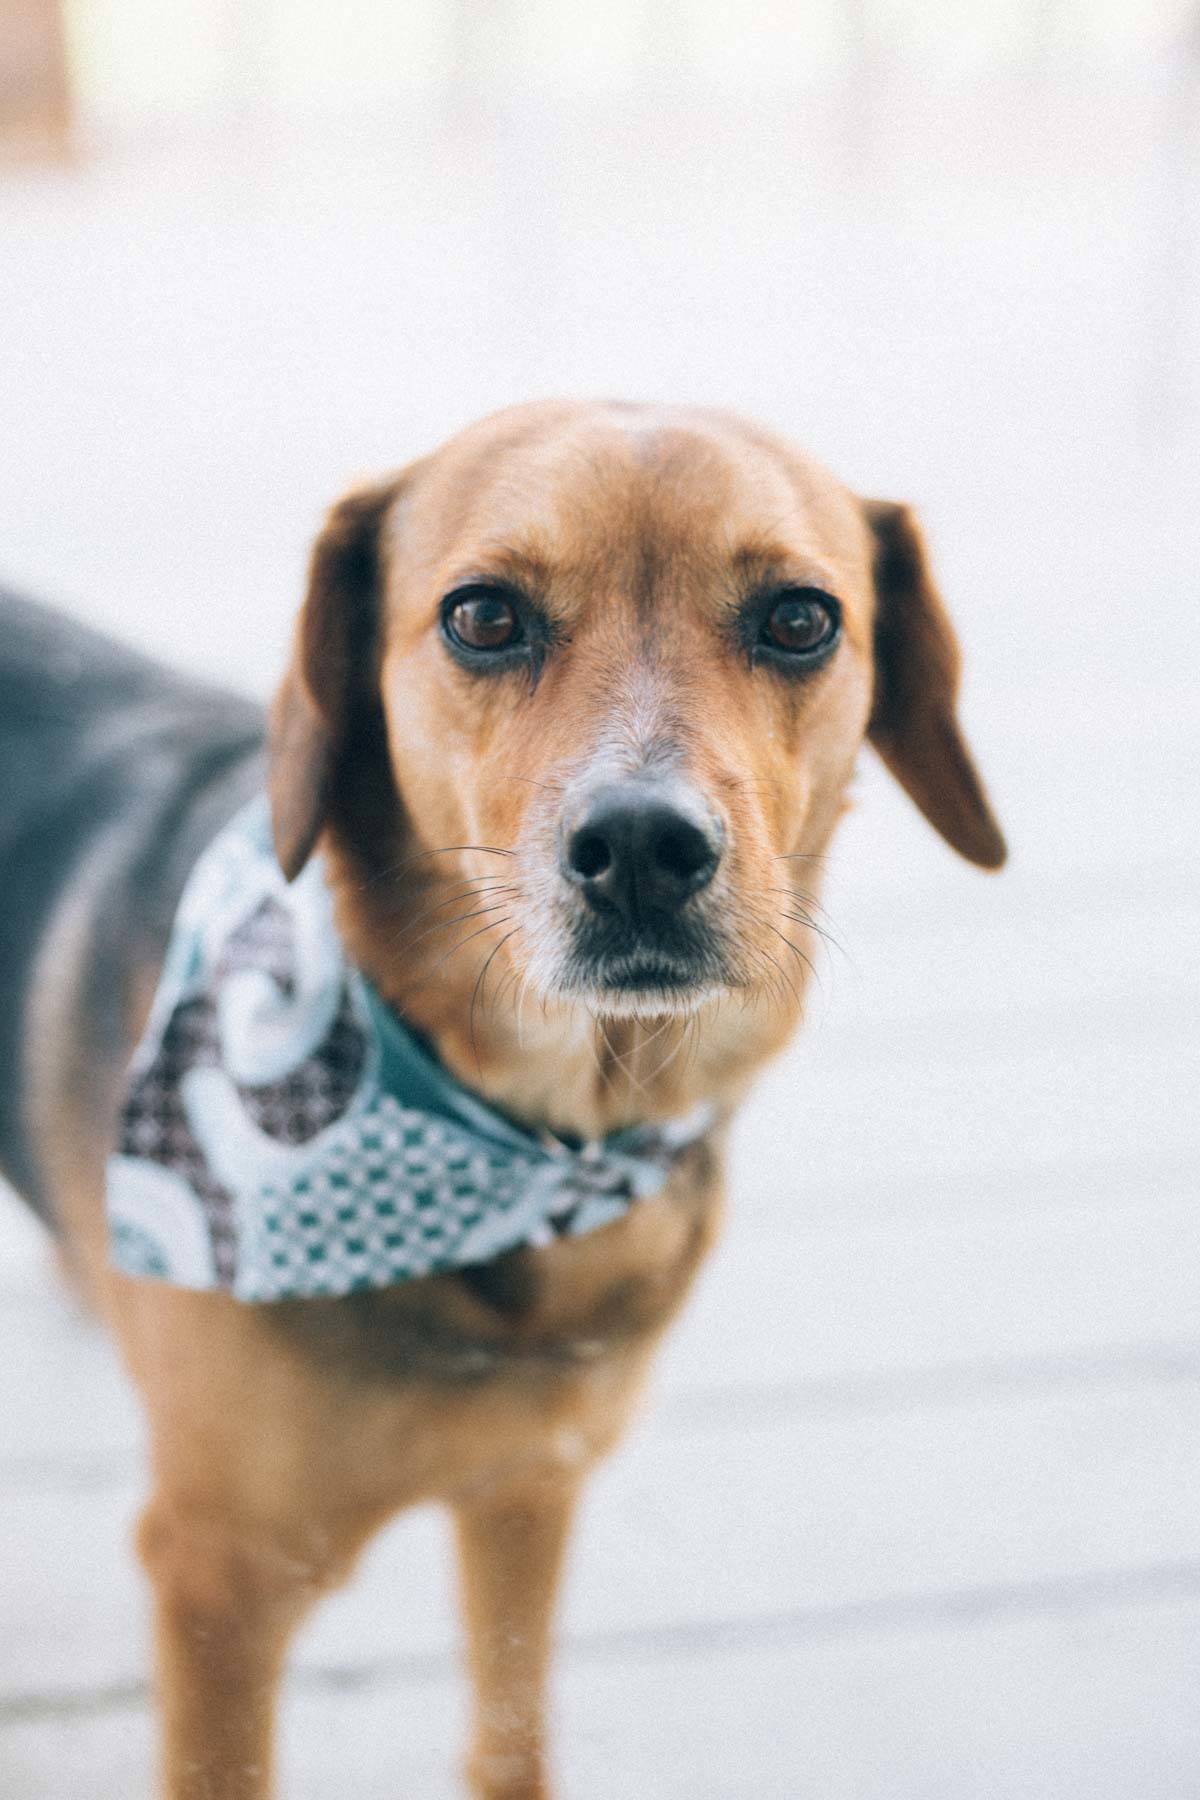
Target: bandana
{"points": [[283, 1135]]}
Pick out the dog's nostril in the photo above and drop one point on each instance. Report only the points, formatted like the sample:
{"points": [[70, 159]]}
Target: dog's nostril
{"points": [[589, 854], [682, 851]]}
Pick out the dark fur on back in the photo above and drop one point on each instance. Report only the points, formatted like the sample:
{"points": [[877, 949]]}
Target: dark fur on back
{"points": [[91, 734]]}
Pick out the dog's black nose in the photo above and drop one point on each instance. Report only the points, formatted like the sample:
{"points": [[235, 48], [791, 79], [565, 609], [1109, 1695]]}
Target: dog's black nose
{"points": [[633, 850]]}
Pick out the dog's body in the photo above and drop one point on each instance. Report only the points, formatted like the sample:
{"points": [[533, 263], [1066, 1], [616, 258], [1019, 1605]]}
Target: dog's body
{"points": [[661, 641], [115, 774]]}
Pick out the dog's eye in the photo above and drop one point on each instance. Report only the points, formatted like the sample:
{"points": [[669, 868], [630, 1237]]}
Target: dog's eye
{"points": [[801, 622], [482, 619]]}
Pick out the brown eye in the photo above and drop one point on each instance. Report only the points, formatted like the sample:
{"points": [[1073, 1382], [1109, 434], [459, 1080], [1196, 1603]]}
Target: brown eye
{"points": [[483, 620], [801, 622]]}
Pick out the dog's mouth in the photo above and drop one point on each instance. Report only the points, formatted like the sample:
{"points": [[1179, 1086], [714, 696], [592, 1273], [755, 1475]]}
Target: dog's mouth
{"points": [[638, 977], [646, 974]]}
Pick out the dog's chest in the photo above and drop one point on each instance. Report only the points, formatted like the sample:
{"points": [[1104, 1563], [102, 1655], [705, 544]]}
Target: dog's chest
{"points": [[529, 1315], [430, 1389]]}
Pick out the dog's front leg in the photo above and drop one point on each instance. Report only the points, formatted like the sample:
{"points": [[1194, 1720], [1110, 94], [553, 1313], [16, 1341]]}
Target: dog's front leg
{"points": [[511, 1544], [227, 1601]]}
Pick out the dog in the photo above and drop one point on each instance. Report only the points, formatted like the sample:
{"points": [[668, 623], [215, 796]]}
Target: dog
{"points": [[570, 720]]}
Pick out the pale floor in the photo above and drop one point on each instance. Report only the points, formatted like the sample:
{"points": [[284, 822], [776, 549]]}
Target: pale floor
{"points": [[913, 1513]]}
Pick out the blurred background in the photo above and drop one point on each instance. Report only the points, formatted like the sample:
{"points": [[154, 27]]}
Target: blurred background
{"points": [[912, 1514]]}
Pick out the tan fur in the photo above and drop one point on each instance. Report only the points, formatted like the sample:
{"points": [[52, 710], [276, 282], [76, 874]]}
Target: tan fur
{"points": [[284, 1436]]}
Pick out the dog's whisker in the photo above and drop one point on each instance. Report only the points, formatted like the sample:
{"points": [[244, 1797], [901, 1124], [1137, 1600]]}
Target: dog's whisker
{"points": [[522, 996], [591, 1038], [673, 1052], [551, 787], [617, 1061], [694, 1054], [523, 993], [448, 924], [655, 1035], [800, 894], [784, 980], [507, 981], [826, 937], [487, 891], [479, 980], [492, 925], [800, 956], [798, 916], [638, 1049], [605, 1075], [814, 925], [390, 872], [469, 889], [774, 978]]}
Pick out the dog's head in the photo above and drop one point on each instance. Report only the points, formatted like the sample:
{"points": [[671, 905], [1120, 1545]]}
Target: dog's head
{"points": [[605, 670]]}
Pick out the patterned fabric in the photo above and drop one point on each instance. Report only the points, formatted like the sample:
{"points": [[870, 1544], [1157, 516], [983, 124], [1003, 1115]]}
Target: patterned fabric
{"points": [[284, 1135]]}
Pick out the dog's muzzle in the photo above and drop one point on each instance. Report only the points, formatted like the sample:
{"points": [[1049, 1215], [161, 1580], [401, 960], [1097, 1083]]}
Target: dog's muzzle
{"points": [[638, 854]]}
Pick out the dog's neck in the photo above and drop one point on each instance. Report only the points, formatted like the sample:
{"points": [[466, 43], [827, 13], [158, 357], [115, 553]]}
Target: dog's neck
{"points": [[551, 1063]]}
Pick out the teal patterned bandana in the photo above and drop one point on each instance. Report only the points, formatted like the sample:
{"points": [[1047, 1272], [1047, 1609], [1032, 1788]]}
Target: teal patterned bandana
{"points": [[284, 1136]]}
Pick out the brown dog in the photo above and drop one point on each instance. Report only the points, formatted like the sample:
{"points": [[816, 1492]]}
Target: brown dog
{"points": [[572, 713]]}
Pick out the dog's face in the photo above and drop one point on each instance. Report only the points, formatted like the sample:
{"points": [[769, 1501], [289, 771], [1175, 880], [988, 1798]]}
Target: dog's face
{"points": [[620, 663]]}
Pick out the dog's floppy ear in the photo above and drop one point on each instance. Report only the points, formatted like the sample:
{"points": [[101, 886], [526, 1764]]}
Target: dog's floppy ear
{"points": [[913, 722], [332, 669]]}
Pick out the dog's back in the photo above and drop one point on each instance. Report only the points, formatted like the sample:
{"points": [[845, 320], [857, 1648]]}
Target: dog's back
{"points": [[113, 772]]}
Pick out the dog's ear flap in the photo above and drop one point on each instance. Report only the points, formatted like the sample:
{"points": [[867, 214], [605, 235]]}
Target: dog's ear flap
{"points": [[333, 666], [913, 722]]}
